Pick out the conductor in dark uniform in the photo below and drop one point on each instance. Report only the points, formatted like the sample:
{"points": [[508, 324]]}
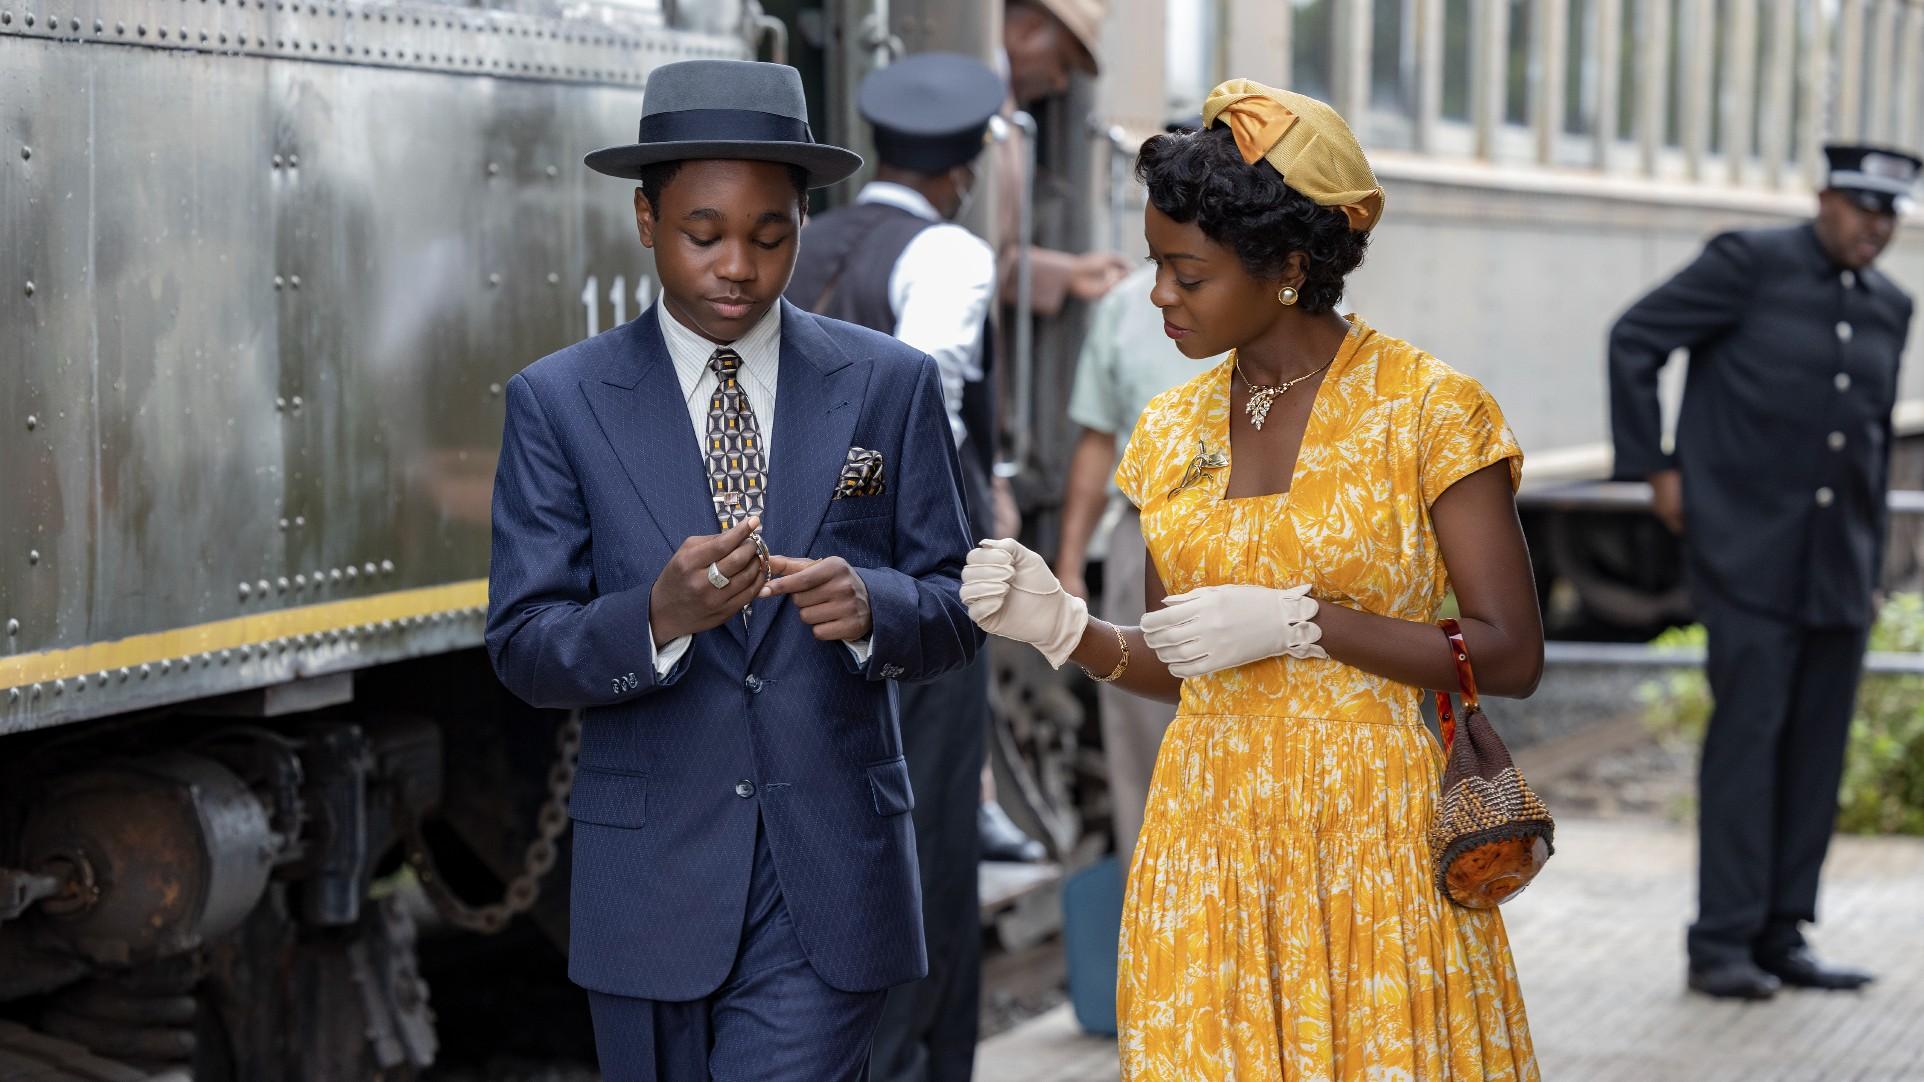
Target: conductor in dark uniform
{"points": [[895, 262], [1777, 485]]}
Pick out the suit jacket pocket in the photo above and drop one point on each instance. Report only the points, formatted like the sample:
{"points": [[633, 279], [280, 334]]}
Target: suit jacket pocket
{"points": [[863, 542], [859, 509], [888, 783], [609, 799]]}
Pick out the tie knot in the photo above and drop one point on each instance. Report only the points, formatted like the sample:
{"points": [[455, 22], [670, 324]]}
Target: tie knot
{"points": [[725, 362]]}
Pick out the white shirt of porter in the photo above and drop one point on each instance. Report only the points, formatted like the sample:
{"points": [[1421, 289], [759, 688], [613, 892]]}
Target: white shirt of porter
{"points": [[940, 289], [761, 353]]}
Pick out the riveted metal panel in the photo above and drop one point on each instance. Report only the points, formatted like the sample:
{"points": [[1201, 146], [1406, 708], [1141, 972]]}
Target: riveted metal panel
{"points": [[47, 349], [284, 258], [185, 356]]}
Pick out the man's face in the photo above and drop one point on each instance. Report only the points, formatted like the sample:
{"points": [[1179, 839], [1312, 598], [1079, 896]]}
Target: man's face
{"points": [[1853, 233], [724, 242], [960, 192], [1042, 53]]}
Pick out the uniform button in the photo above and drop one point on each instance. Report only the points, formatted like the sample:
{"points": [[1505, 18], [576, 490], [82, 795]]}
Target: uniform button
{"points": [[1825, 497], [1843, 331], [753, 683], [1850, 279], [1835, 440], [1843, 381], [744, 789]]}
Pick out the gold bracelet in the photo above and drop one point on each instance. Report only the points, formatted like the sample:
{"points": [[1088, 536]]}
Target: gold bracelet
{"points": [[1121, 666]]}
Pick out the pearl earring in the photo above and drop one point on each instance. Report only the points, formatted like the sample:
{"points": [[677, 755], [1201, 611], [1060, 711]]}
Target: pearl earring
{"points": [[1286, 295]]}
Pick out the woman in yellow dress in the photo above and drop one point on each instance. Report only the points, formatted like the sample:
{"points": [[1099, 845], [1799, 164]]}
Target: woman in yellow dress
{"points": [[1306, 505]]}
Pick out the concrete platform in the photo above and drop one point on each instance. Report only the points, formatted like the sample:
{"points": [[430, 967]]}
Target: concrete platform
{"points": [[1599, 949]]}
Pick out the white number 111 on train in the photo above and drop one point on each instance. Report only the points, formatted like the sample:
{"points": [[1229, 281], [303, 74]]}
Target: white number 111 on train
{"points": [[618, 297]]}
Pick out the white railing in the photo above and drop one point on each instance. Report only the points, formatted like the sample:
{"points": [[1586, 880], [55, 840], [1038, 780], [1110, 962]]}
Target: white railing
{"points": [[1732, 92]]}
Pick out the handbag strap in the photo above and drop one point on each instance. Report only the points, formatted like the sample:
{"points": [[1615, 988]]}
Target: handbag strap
{"points": [[1465, 678]]}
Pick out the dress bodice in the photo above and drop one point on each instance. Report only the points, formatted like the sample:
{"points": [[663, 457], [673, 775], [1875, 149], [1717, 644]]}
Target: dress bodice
{"points": [[1391, 428]]}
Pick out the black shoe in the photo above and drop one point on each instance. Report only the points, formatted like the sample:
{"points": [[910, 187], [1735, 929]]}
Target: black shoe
{"points": [[1800, 969], [1002, 839], [1733, 980]]}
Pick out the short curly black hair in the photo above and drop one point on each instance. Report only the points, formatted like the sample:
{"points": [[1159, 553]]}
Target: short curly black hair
{"points": [[656, 175], [1201, 177]]}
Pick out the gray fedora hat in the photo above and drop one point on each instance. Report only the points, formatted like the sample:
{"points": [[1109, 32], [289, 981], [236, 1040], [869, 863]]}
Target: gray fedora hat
{"points": [[726, 109]]}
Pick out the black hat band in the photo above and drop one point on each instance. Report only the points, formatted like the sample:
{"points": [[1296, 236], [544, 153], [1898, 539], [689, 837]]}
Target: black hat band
{"points": [[723, 126], [928, 153]]}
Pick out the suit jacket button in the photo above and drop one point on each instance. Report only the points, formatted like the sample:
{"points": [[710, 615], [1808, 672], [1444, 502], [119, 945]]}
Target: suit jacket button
{"points": [[1825, 497], [753, 683], [744, 789]]}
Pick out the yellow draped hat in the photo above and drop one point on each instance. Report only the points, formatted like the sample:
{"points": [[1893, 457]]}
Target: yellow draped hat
{"points": [[1305, 140]]}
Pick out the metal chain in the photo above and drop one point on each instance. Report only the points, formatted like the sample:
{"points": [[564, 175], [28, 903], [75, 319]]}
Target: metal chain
{"points": [[525, 888]]}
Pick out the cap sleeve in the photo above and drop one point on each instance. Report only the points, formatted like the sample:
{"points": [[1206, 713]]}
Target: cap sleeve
{"points": [[1463, 432]]}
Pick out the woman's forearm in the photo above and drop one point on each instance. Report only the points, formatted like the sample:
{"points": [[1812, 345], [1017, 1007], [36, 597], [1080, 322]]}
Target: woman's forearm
{"points": [[1099, 652], [1507, 662]]}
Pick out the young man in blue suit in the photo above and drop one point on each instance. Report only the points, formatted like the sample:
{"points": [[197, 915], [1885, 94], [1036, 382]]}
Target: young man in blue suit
{"points": [[724, 531]]}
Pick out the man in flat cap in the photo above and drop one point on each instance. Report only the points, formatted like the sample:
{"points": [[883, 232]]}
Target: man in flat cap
{"points": [[745, 883], [894, 261], [1777, 485]]}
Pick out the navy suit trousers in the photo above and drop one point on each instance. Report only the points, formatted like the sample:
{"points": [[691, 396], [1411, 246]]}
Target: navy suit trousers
{"points": [[772, 1020]]}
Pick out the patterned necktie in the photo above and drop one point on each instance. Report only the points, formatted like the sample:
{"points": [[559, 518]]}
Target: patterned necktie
{"points": [[737, 460]]}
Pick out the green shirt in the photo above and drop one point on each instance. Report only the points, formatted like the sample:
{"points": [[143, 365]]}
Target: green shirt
{"points": [[1126, 361]]}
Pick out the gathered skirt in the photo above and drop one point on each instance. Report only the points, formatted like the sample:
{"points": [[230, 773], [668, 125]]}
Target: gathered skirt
{"points": [[1282, 921]]}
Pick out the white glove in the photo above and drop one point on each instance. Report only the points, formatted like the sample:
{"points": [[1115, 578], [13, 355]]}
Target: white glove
{"points": [[1220, 627], [1011, 592]]}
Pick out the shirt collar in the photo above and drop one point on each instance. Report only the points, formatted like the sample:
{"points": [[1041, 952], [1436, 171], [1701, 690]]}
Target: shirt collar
{"points": [[899, 196], [760, 348]]}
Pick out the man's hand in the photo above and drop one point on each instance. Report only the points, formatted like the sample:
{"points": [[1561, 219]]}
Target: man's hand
{"points": [[829, 595], [684, 601], [1666, 499], [1096, 273]]}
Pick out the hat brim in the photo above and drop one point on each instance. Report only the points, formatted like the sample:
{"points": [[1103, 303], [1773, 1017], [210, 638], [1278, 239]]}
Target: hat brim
{"points": [[1876, 200], [824, 164]]}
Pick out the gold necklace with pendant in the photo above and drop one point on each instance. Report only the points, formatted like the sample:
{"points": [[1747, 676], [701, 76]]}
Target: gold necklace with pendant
{"points": [[1261, 397]]}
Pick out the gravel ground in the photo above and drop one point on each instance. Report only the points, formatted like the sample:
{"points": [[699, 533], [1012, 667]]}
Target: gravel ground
{"points": [[1651, 780]]}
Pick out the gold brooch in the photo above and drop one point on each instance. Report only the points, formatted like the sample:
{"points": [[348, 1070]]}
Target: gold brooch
{"points": [[1205, 460]]}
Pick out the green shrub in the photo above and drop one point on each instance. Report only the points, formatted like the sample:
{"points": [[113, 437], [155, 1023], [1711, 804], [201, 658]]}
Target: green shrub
{"points": [[1883, 790]]}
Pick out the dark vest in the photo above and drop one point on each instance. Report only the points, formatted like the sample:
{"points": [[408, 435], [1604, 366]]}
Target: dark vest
{"points": [[847, 257]]}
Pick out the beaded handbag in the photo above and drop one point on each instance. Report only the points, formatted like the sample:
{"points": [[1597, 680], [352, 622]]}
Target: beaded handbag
{"points": [[1491, 835]]}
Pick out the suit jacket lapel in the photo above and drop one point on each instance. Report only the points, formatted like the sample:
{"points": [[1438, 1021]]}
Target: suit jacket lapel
{"points": [[819, 393], [642, 411]]}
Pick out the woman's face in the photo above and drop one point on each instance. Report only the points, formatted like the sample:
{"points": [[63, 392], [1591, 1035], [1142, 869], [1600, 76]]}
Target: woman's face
{"points": [[1210, 302]]}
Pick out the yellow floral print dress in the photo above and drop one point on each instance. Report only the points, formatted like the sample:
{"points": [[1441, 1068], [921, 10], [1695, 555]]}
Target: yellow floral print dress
{"points": [[1281, 920]]}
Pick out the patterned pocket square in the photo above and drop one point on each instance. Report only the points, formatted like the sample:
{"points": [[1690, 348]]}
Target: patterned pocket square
{"points": [[861, 474]]}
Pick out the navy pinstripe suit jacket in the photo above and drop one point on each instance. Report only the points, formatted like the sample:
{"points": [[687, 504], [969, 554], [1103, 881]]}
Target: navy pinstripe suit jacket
{"points": [[600, 479]]}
